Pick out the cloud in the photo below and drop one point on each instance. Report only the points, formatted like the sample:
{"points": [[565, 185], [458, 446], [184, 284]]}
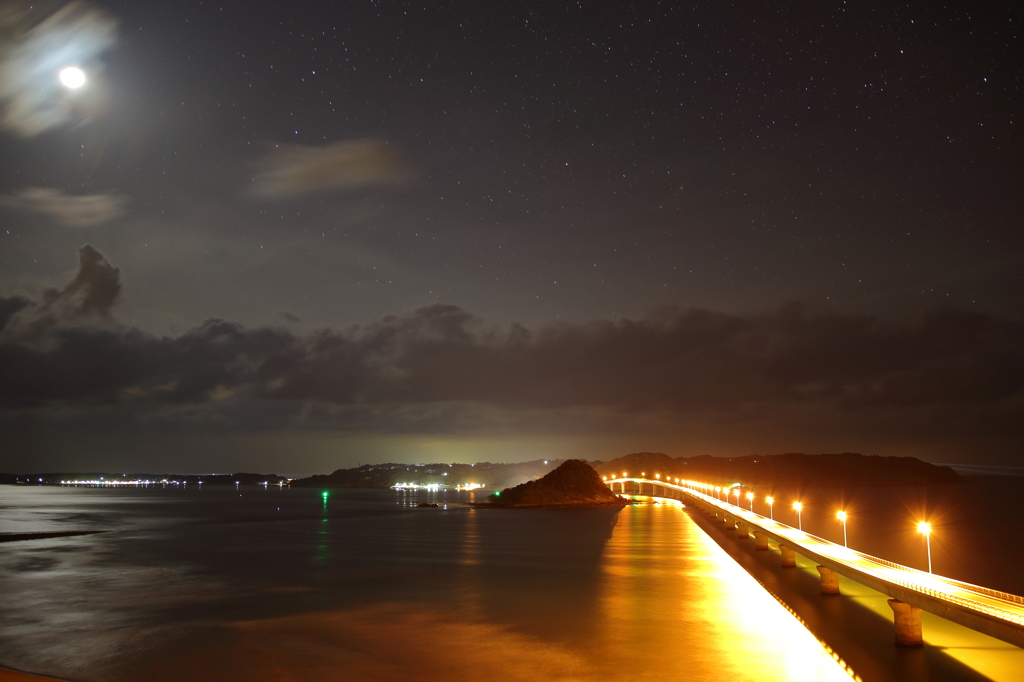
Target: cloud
{"points": [[290, 317], [11, 306], [32, 54], [85, 301], [68, 210], [294, 170], [439, 367]]}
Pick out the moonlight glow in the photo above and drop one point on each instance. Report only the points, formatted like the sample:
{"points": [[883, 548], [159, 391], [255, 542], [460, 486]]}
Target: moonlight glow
{"points": [[72, 77]]}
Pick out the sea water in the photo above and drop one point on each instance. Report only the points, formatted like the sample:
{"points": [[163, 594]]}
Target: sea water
{"points": [[253, 583]]}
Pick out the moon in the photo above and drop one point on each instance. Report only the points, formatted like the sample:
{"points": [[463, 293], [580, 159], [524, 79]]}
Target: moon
{"points": [[72, 77]]}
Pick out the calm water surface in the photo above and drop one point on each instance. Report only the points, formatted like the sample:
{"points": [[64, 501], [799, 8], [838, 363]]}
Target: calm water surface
{"points": [[254, 584]]}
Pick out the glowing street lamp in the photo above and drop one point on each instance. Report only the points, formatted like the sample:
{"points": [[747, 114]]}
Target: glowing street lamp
{"points": [[799, 515], [718, 492], [771, 507], [750, 499], [841, 515], [737, 491], [926, 529]]}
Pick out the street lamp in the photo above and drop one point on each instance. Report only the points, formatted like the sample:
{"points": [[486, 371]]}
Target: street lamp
{"points": [[718, 492], [737, 490], [841, 515], [771, 507], [750, 499], [799, 516], [926, 530]]}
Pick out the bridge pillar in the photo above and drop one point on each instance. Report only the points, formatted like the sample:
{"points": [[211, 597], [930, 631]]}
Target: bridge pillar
{"points": [[788, 556], [742, 532], [721, 517], [760, 540], [908, 624], [829, 580]]}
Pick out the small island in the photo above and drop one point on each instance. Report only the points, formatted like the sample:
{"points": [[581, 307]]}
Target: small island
{"points": [[573, 484]]}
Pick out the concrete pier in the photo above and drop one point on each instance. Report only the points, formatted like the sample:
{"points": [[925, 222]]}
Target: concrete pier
{"points": [[908, 624], [742, 531], [829, 580], [788, 556], [760, 540]]}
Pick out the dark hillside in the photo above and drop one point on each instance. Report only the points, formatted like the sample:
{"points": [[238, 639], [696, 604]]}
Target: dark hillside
{"points": [[790, 469], [574, 483]]}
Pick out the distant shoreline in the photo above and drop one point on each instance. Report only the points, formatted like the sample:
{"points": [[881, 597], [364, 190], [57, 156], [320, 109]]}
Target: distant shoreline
{"points": [[12, 537], [564, 505], [8, 675]]}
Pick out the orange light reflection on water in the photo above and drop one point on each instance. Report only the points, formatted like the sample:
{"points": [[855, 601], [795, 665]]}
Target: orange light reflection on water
{"points": [[674, 601]]}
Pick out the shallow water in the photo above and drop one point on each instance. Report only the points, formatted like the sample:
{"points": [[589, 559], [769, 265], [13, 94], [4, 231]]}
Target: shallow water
{"points": [[273, 584]]}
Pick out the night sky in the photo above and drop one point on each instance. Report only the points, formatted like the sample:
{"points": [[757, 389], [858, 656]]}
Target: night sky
{"points": [[295, 237]]}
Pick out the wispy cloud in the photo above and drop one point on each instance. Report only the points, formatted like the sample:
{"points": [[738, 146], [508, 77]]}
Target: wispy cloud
{"points": [[32, 54], [84, 210], [296, 170]]}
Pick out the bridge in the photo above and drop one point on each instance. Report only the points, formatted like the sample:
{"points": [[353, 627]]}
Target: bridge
{"points": [[994, 613]]}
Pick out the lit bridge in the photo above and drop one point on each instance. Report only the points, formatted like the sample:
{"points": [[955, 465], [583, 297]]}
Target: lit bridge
{"points": [[991, 612]]}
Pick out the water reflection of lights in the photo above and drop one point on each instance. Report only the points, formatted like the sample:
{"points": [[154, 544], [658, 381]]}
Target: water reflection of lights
{"points": [[657, 561]]}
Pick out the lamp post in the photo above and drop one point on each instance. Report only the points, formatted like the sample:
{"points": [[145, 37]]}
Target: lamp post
{"points": [[750, 499], [842, 517], [926, 529], [718, 492], [771, 507], [799, 515], [737, 496]]}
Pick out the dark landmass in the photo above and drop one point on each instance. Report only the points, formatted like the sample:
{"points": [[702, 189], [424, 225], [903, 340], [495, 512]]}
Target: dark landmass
{"points": [[790, 469], [574, 483], [487, 474], [11, 537], [206, 479]]}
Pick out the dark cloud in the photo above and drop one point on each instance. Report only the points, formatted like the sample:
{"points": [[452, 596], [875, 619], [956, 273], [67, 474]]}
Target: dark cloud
{"points": [[674, 361], [290, 317], [86, 300], [10, 306]]}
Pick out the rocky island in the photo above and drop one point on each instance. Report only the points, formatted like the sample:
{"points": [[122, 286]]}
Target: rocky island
{"points": [[573, 484]]}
